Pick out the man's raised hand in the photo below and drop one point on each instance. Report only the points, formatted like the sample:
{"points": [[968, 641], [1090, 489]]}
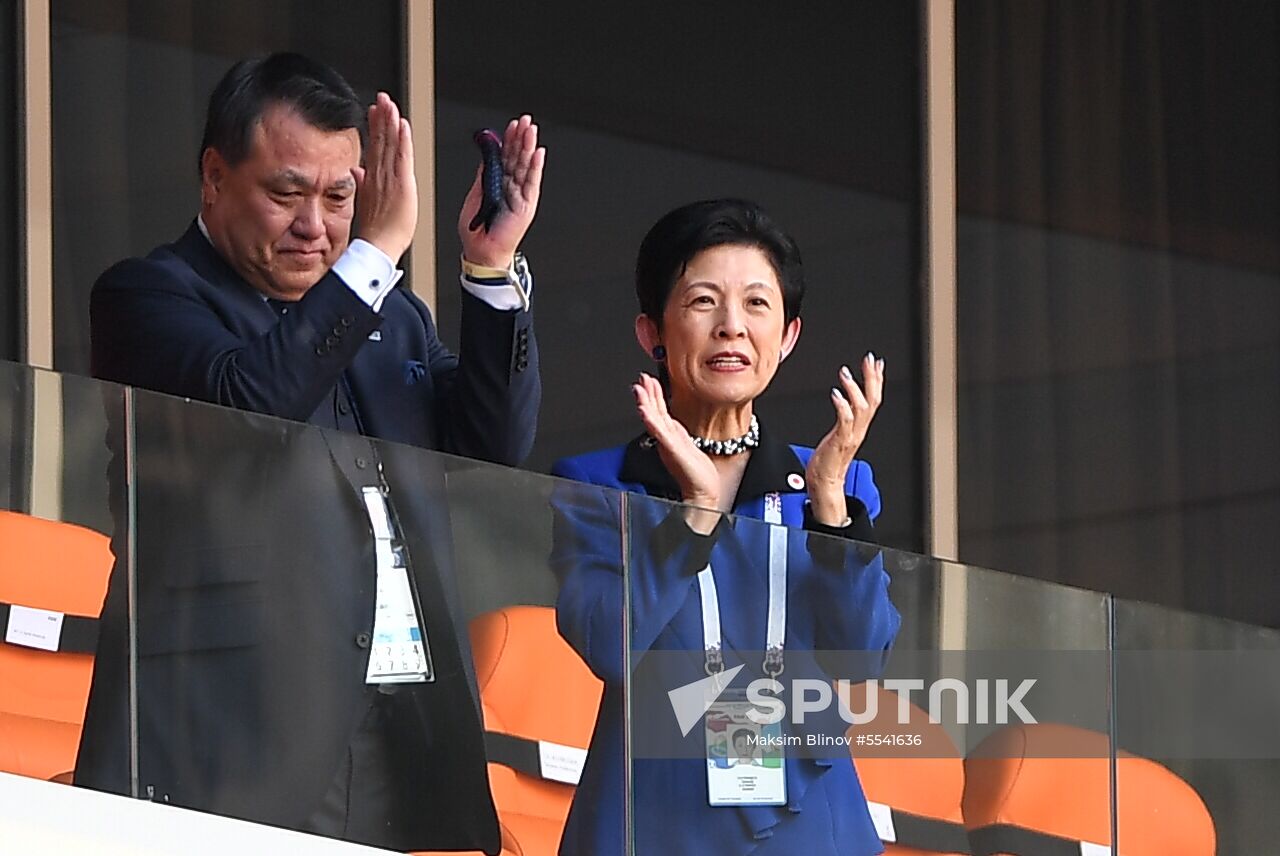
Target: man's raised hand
{"points": [[387, 190]]}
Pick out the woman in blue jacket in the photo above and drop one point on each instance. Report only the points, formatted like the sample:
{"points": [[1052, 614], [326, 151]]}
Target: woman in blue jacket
{"points": [[720, 288]]}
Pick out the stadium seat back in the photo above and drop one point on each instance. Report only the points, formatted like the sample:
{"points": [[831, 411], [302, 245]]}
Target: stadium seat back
{"points": [[63, 568], [1055, 780], [535, 692], [920, 786]]}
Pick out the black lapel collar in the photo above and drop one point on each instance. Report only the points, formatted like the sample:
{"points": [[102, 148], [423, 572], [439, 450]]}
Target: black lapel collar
{"points": [[773, 467], [640, 463]]}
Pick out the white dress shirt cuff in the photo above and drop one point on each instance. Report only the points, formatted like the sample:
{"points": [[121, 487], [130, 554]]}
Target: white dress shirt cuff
{"points": [[515, 293], [499, 295], [368, 272]]}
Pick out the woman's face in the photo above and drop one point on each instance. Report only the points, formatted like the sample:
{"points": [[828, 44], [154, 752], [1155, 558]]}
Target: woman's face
{"points": [[723, 327]]}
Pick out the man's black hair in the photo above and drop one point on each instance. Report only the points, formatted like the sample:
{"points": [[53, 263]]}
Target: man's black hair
{"points": [[318, 93]]}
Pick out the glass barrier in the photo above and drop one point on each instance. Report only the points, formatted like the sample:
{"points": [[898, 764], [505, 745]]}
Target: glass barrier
{"points": [[1050, 642], [762, 672], [55, 558], [1197, 696], [320, 615], [254, 677]]}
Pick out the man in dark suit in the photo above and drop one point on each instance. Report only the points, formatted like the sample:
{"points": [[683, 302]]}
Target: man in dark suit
{"points": [[260, 545]]}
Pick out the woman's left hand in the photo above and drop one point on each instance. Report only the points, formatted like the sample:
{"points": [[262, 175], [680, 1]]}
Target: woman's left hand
{"points": [[855, 408]]}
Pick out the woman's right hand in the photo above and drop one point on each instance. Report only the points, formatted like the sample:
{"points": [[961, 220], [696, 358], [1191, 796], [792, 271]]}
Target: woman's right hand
{"points": [[691, 467]]}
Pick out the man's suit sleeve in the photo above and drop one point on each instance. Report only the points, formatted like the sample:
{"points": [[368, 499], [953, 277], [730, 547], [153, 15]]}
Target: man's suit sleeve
{"points": [[151, 327], [487, 396]]}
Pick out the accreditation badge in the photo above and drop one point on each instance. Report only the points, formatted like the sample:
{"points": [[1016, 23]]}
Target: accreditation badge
{"points": [[745, 760], [399, 652]]}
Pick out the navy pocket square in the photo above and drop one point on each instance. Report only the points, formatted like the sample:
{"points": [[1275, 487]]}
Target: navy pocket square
{"points": [[413, 372]]}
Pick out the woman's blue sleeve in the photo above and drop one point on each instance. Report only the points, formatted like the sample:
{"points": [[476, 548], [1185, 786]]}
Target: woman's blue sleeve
{"points": [[846, 591], [587, 556]]}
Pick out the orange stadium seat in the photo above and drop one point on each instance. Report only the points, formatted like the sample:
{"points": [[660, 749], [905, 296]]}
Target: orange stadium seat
{"points": [[1046, 789], [62, 568], [913, 791], [540, 702]]}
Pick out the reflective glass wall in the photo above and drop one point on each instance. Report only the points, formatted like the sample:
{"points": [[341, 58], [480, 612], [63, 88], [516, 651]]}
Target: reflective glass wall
{"points": [[1119, 297], [55, 560], [811, 111], [1119, 308], [220, 618], [131, 81], [1199, 695]]}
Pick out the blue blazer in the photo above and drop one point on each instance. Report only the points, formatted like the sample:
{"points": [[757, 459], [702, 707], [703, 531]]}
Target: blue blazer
{"points": [[838, 601], [255, 570]]}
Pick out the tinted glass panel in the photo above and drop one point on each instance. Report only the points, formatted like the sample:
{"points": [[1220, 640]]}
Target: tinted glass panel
{"points": [[1119, 294], [811, 112], [131, 81]]}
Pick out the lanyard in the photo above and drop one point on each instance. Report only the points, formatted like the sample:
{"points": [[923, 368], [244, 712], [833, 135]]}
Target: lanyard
{"points": [[776, 630]]}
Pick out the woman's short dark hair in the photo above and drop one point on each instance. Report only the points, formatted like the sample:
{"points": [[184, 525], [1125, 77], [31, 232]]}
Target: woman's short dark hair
{"points": [[683, 233], [318, 93]]}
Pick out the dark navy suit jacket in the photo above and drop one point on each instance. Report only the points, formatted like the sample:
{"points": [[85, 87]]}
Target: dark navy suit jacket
{"points": [[838, 605], [254, 556]]}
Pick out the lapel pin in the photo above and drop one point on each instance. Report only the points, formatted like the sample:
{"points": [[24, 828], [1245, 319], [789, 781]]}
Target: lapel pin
{"points": [[795, 481]]}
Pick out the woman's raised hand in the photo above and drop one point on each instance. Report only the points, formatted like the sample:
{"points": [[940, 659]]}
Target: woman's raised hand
{"points": [[855, 407], [691, 467]]}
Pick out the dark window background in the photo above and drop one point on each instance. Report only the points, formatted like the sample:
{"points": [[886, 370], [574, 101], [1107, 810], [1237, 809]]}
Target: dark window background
{"points": [[1120, 297], [1120, 325], [812, 112], [131, 81], [10, 270], [1119, 281]]}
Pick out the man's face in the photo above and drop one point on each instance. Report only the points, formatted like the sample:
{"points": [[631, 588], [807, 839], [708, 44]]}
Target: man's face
{"points": [[282, 216]]}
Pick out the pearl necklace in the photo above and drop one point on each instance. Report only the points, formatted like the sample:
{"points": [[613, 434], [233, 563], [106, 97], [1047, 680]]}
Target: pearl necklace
{"points": [[731, 446]]}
